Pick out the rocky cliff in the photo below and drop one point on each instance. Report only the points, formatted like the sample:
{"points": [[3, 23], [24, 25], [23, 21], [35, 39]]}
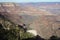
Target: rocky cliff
{"points": [[46, 23]]}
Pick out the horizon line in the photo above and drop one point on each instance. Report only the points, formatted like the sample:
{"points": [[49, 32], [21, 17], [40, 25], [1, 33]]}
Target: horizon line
{"points": [[29, 2]]}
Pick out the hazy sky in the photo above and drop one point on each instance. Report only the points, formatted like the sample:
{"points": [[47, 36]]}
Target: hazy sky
{"points": [[21, 1]]}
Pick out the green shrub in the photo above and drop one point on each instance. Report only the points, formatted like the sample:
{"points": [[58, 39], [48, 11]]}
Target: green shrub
{"points": [[14, 32]]}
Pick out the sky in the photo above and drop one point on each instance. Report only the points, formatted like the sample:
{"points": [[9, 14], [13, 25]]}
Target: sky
{"points": [[25, 1]]}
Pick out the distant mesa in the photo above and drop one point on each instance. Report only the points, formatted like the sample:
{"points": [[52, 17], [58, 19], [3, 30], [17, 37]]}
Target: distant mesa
{"points": [[15, 8]]}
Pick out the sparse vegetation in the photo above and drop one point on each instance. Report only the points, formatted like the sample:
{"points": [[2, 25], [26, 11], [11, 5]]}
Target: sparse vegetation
{"points": [[54, 38], [10, 31]]}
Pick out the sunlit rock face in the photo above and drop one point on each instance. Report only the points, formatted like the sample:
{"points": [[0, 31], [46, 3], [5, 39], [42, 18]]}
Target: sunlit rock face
{"points": [[34, 32]]}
